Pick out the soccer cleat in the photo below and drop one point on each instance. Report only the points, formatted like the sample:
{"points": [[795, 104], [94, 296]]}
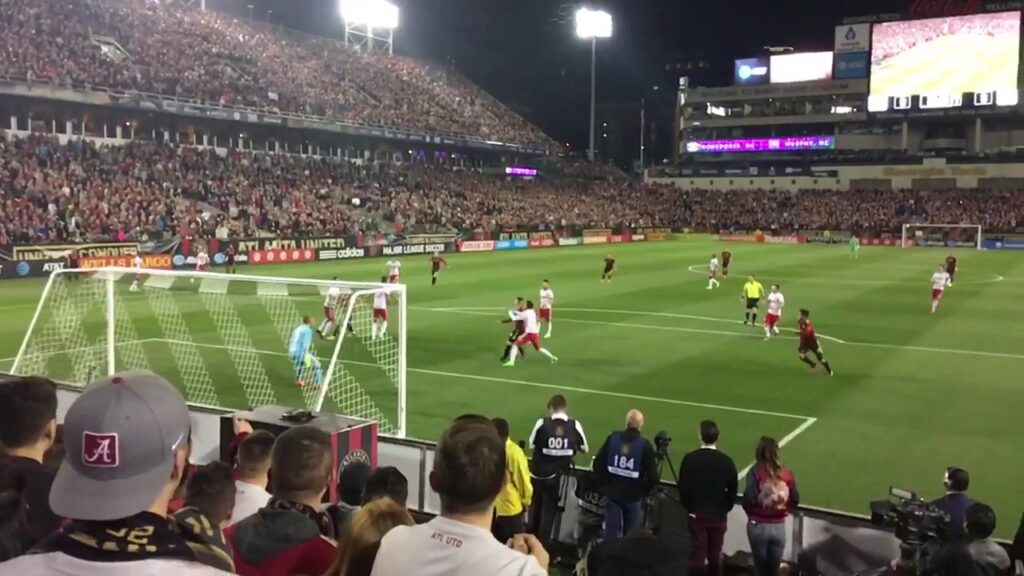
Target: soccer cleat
{"points": [[509, 364], [813, 368], [554, 359], [548, 335]]}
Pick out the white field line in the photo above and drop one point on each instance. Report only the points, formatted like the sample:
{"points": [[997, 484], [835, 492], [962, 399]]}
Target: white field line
{"points": [[785, 440], [703, 269], [478, 311], [525, 383], [822, 336]]}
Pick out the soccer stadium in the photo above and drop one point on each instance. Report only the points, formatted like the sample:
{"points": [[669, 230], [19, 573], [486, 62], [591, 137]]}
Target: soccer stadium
{"points": [[276, 300]]}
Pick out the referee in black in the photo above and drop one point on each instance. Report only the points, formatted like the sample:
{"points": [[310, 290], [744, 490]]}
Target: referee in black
{"points": [[555, 439]]}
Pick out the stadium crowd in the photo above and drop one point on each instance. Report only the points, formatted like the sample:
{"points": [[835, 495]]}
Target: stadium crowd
{"points": [[81, 191], [169, 49], [106, 492]]}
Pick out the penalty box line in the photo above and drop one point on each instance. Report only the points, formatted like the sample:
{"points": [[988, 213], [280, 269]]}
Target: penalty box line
{"points": [[542, 385]]}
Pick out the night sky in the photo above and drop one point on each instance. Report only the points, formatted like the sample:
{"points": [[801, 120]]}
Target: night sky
{"points": [[526, 54]]}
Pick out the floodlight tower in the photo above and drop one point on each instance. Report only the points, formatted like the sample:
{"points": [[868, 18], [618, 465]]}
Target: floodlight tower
{"points": [[591, 25], [369, 24]]}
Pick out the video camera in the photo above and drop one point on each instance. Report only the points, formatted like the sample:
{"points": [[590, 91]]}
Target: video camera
{"points": [[920, 527], [661, 443]]}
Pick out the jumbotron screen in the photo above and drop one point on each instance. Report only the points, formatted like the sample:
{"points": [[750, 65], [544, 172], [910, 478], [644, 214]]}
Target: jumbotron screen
{"points": [[962, 61]]}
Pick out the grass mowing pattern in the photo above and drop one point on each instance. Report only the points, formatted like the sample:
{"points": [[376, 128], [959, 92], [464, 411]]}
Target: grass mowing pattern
{"points": [[913, 392]]}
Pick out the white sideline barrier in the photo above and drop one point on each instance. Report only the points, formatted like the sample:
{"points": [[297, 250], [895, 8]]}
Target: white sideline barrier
{"points": [[843, 545]]}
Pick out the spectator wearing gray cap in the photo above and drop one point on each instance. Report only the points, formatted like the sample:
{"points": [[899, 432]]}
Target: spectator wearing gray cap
{"points": [[128, 444]]}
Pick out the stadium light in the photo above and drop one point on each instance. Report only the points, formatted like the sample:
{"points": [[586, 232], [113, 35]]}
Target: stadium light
{"points": [[369, 24], [591, 25]]}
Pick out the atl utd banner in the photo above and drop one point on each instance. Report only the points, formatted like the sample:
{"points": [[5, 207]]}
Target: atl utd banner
{"points": [[55, 251]]}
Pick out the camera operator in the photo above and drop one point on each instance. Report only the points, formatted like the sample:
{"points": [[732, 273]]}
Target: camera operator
{"points": [[628, 469], [978, 554], [555, 439], [956, 502]]}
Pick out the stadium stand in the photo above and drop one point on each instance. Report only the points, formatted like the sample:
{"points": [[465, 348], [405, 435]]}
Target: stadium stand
{"points": [[173, 50], [83, 191]]}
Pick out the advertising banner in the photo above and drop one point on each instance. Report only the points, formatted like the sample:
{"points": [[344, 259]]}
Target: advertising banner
{"points": [[851, 65], [750, 71], [284, 255], [541, 242], [597, 232], [570, 241], [393, 239], [797, 239], [332, 254], [827, 236], [153, 261], [55, 251], [853, 38], [29, 268], [727, 237], [800, 67], [476, 246], [652, 234], [892, 242], [512, 244], [404, 249], [1002, 244], [596, 239]]}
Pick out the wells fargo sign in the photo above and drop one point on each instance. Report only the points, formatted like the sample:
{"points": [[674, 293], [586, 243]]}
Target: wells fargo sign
{"points": [[152, 261]]}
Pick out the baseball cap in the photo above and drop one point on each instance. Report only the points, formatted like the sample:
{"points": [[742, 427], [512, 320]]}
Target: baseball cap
{"points": [[120, 436]]}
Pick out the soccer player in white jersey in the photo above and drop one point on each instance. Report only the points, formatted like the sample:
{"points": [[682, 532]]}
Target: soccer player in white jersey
{"points": [[139, 265], [202, 262], [394, 270], [713, 272], [331, 301], [531, 336], [940, 279], [547, 299], [776, 301], [380, 312]]}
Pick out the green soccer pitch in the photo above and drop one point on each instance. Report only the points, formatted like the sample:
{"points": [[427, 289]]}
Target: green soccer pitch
{"points": [[913, 393]]}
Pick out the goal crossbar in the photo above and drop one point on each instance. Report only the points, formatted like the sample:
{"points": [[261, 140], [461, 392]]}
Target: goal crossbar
{"points": [[44, 339], [906, 240]]}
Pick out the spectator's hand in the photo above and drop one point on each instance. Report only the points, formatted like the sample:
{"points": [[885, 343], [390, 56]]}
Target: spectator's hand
{"points": [[240, 426], [529, 545]]}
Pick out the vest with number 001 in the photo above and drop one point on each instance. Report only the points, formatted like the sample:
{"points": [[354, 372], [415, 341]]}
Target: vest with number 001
{"points": [[554, 446], [625, 458]]}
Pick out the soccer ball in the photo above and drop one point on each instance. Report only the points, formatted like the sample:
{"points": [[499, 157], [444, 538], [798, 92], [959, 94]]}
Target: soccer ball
{"points": [[356, 202]]}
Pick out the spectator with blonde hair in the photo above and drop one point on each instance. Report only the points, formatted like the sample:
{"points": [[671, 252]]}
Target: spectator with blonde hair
{"points": [[358, 548]]}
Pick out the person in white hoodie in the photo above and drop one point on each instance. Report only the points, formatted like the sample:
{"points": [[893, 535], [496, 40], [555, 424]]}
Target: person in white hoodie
{"points": [[128, 443]]}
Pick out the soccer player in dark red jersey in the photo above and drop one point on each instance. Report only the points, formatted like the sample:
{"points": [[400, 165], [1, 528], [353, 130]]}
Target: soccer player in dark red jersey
{"points": [[436, 261], [609, 269], [809, 343], [726, 259], [951, 267], [518, 330]]}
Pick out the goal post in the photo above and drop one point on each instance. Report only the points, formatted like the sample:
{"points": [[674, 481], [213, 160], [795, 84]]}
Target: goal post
{"points": [[224, 339], [942, 235]]}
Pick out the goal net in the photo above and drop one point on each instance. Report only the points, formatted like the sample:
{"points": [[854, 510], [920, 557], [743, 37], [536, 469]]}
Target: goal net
{"points": [[942, 235], [226, 339]]}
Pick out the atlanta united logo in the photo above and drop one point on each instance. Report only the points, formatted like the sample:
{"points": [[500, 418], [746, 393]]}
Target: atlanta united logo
{"points": [[357, 455]]}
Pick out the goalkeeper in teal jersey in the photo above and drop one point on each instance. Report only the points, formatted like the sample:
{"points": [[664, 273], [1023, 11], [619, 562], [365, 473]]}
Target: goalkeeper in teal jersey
{"points": [[854, 246], [300, 352]]}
